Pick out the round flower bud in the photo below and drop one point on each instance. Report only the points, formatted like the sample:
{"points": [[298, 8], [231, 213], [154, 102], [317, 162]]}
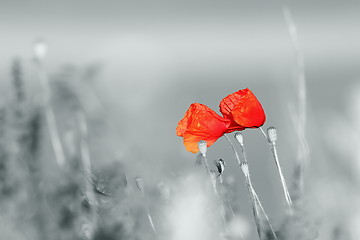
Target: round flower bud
{"points": [[202, 147], [272, 135], [239, 138]]}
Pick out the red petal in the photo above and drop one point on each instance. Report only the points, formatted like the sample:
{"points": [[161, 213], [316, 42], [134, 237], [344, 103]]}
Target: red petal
{"points": [[201, 123], [191, 142], [243, 109], [234, 127]]}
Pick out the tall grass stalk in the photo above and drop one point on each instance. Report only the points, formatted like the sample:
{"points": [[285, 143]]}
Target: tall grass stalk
{"points": [[40, 53], [18, 82], [140, 185], [261, 219], [86, 162], [27, 126], [299, 116]]}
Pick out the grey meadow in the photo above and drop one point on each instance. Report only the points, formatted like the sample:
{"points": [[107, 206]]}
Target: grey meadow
{"points": [[92, 93]]}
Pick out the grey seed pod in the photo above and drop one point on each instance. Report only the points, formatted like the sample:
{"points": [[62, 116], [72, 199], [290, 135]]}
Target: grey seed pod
{"points": [[239, 138], [245, 169], [202, 147], [272, 134]]}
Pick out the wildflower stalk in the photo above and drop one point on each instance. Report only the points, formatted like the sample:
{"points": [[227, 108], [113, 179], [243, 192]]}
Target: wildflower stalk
{"points": [[271, 137], [263, 133], [261, 219], [18, 81], [203, 148], [40, 53], [282, 179], [140, 185], [299, 117], [150, 218], [86, 161], [212, 178]]}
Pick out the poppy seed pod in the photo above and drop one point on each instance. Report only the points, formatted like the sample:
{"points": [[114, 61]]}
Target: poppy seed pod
{"points": [[239, 138], [202, 147], [272, 135], [245, 169]]}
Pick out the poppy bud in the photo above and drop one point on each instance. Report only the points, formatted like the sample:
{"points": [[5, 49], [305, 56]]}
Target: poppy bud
{"points": [[239, 138], [245, 169], [220, 165], [140, 184], [202, 147], [272, 135]]}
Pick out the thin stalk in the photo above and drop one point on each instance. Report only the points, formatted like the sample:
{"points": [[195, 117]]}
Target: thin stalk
{"points": [[213, 184], [85, 157], [234, 150], [264, 134], [149, 216], [282, 178], [140, 185], [299, 118], [263, 210], [224, 190], [207, 167], [258, 210], [254, 205], [50, 115]]}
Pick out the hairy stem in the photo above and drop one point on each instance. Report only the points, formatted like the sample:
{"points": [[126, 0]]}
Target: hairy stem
{"points": [[261, 219]]}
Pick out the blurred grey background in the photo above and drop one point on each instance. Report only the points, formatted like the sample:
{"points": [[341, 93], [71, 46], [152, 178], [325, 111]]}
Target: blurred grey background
{"points": [[152, 59]]}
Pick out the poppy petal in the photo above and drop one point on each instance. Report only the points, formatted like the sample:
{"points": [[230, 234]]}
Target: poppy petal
{"points": [[191, 142], [201, 123], [243, 109]]}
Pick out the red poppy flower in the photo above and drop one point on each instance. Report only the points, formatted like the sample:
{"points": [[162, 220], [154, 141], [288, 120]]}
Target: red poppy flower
{"points": [[201, 123], [243, 109]]}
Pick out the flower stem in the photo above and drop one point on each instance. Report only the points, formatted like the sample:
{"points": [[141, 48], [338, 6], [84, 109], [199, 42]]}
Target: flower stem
{"points": [[282, 178], [261, 219], [213, 184], [148, 212], [234, 150], [50, 115], [150, 218], [86, 162], [264, 134]]}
